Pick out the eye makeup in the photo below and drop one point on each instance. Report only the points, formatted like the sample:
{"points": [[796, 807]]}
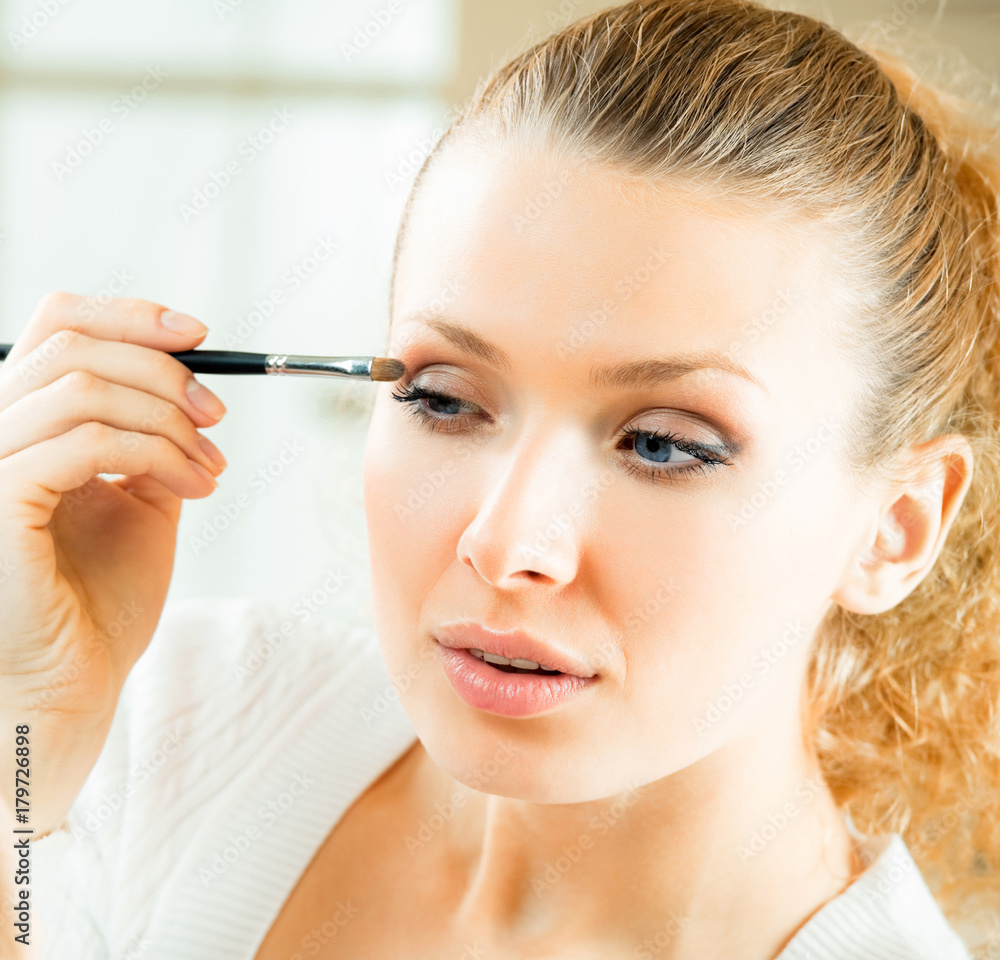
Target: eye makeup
{"points": [[721, 405], [653, 451]]}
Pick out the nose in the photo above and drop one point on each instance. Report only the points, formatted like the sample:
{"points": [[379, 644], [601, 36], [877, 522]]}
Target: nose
{"points": [[528, 526]]}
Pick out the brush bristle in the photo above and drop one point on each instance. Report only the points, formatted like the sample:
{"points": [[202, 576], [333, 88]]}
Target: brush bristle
{"points": [[385, 368]]}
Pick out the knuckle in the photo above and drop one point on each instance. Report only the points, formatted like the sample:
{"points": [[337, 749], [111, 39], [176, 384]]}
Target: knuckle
{"points": [[57, 341], [135, 311], [92, 432], [163, 412], [138, 307], [165, 367], [181, 422], [162, 447], [56, 300], [79, 381]]}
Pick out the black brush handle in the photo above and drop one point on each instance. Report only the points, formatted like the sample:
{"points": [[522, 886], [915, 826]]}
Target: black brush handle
{"points": [[205, 361], [222, 361]]}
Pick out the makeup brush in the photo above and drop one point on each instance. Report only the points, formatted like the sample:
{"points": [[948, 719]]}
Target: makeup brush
{"points": [[284, 364]]}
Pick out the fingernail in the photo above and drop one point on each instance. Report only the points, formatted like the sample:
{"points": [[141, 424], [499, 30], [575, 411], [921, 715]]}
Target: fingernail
{"points": [[199, 469], [212, 452], [203, 398], [182, 323]]}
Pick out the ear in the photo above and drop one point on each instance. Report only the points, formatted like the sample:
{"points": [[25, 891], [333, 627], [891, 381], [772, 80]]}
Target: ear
{"points": [[909, 525]]}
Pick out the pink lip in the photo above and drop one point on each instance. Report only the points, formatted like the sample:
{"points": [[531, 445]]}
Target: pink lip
{"points": [[485, 687], [511, 644], [510, 694]]}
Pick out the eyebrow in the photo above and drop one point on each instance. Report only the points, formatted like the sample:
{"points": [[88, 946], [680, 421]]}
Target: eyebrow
{"points": [[632, 374]]}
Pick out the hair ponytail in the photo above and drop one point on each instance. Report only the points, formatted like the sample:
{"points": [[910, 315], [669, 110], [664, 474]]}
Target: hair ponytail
{"points": [[909, 700]]}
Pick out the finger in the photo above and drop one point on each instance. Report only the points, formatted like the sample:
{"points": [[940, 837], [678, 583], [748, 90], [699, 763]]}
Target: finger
{"points": [[124, 319], [35, 478], [131, 365], [80, 396], [144, 487]]}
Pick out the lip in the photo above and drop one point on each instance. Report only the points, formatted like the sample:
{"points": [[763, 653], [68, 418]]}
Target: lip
{"points": [[512, 644], [508, 694]]}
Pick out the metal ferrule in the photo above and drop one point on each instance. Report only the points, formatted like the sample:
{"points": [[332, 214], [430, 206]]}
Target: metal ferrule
{"points": [[358, 368]]}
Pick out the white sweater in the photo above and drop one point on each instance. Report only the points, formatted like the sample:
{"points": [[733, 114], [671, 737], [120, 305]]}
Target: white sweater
{"points": [[243, 733]]}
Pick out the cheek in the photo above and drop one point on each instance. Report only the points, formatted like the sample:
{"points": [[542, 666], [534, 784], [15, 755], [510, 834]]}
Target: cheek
{"points": [[410, 542], [709, 631]]}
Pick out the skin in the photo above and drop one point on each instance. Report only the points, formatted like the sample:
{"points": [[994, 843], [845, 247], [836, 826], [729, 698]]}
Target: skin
{"points": [[652, 583]]}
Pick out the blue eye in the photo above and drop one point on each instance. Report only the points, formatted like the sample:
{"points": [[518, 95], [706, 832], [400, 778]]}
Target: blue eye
{"points": [[653, 450], [657, 448]]}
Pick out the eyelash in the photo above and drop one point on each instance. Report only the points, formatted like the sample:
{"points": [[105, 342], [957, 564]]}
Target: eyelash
{"points": [[706, 460]]}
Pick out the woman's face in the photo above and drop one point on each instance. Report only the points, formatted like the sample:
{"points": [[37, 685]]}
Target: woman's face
{"points": [[540, 500]]}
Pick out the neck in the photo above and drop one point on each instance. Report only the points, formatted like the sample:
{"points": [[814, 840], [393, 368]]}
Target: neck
{"points": [[727, 857]]}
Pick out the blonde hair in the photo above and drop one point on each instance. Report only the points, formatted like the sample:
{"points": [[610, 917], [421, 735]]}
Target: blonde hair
{"points": [[903, 707]]}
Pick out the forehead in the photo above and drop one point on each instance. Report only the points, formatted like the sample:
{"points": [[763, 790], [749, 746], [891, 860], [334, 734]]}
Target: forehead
{"points": [[526, 245]]}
